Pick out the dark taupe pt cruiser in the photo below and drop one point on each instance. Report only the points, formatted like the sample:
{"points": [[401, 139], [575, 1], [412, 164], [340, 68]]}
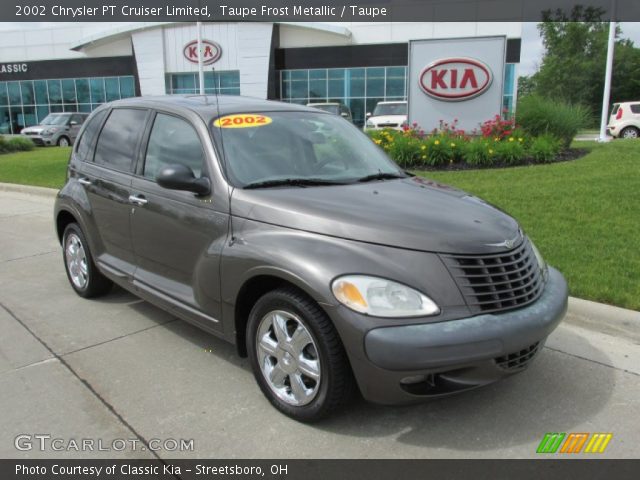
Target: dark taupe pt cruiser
{"points": [[286, 231]]}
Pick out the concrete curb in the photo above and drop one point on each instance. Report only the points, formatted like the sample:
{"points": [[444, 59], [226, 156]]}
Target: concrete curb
{"points": [[28, 189], [604, 318]]}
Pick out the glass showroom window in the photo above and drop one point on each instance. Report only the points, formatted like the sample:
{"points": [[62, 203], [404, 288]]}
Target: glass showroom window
{"points": [[222, 83], [26, 102], [508, 95], [358, 88]]}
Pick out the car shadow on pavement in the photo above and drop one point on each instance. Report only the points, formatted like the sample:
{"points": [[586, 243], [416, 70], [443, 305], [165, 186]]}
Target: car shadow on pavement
{"points": [[557, 393]]}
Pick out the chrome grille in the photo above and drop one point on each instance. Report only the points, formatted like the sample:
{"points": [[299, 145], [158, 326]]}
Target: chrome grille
{"points": [[496, 282], [518, 360]]}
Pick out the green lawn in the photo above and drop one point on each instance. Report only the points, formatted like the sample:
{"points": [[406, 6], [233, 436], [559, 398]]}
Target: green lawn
{"points": [[44, 167], [583, 215]]}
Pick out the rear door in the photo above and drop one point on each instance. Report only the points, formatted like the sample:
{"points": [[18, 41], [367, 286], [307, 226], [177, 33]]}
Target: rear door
{"points": [[107, 180], [177, 235]]}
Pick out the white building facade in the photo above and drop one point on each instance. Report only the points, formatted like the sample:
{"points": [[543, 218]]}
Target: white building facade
{"points": [[76, 67]]}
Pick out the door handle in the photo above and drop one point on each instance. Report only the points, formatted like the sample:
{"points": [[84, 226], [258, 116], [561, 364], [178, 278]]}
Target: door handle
{"points": [[138, 199], [84, 181]]}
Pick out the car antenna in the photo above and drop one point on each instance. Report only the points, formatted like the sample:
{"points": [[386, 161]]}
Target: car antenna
{"points": [[230, 188]]}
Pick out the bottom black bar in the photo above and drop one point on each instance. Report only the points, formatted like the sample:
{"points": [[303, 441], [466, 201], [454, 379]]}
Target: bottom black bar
{"points": [[320, 469]]}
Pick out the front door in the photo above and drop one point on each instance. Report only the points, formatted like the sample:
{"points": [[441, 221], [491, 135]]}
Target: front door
{"points": [[177, 236]]}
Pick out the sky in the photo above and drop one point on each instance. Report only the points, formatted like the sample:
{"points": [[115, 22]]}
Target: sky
{"points": [[532, 48]]}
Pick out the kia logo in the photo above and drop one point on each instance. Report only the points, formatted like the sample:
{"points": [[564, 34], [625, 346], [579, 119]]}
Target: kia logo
{"points": [[455, 79], [211, 52]]}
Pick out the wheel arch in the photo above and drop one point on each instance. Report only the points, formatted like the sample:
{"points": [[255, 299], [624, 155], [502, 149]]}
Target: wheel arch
{"points": [[64, 218], [251, 290]]}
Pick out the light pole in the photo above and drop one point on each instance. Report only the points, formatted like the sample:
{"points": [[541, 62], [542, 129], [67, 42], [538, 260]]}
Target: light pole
{"points": [[606, 97]]}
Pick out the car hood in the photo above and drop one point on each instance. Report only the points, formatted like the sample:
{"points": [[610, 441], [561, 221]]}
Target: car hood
{"points": [[412, 213], [35, 129], [388, 119]]}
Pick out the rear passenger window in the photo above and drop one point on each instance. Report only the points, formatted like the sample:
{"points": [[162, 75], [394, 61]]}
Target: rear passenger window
{"points": [[119, 138], [83, 145], [635, 108], [173, 141]]}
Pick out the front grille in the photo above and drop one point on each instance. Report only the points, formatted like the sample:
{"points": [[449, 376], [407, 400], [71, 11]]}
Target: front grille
{"points": [[387, 125], [497, 282], [518, 360]]}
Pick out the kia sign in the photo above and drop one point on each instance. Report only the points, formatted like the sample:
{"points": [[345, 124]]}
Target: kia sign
{"points": [[455, 78], [211, 52]]}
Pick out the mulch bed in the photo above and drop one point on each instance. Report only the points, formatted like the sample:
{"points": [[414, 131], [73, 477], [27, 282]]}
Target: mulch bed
{"points": [[564, 156]]}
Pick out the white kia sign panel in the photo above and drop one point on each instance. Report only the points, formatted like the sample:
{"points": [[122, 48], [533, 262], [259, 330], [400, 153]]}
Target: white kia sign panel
{"points": [[458, 78]]}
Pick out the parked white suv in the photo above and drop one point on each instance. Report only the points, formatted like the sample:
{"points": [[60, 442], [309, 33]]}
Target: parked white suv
{"points": [[387, 115], [625, 120]]}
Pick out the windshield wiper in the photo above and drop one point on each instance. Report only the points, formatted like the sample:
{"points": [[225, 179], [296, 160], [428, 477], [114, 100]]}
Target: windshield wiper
{"points": [[293, 182], [381, 176]]}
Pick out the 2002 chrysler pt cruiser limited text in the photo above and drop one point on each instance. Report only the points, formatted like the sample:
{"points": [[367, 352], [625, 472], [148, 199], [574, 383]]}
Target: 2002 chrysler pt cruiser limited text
{"points": [[285, 230]]}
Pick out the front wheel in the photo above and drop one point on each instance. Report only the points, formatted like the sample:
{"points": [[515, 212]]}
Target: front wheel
{"points": [[63, 142], [84, 277], [297, 357]]}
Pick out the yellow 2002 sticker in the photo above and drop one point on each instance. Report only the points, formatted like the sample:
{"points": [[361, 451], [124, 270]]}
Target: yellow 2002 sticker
{"points": [[242, 120]]}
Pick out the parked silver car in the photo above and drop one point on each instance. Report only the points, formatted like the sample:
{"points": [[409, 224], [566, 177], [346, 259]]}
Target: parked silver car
{"points": [[56, 129]]}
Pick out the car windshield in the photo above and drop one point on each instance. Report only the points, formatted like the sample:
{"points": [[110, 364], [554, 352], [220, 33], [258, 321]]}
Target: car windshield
{"points": [[55, 119], [297, 149], [390, 109], [327, 108]]}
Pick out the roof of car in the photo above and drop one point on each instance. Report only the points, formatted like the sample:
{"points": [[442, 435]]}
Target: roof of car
{"points": [[210, 106]]}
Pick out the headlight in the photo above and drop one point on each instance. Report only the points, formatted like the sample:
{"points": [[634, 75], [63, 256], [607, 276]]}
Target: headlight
{"points": [[370, 124], [381, 298], [541, 263], [49, 131]]}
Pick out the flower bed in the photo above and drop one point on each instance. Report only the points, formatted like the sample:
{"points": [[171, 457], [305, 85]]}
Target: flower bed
{"points": [[497, 143]]}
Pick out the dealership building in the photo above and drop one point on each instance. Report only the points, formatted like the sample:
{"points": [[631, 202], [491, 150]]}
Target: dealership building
{"points": [[76, 67]]}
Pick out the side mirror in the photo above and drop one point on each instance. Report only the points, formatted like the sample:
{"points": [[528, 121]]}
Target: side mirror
{"points": [[181, 177], [73, 123], [368, 114]]}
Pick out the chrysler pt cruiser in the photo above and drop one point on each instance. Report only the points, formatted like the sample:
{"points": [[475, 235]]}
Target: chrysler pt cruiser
{"points": [[286, 231]]}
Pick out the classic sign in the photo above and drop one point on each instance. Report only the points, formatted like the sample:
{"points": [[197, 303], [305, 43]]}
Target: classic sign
{"points": [[211, 52], [13, 67], [455, 79]]}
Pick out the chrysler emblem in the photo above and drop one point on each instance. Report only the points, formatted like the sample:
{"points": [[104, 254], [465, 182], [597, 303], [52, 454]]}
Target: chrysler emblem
{"points": [[508, 244]]}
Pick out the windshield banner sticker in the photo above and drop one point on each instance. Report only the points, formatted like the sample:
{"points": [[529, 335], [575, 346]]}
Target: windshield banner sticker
{"points": [[242, 120]]}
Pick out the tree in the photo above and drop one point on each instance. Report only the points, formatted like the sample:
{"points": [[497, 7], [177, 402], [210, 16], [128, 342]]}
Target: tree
{"points": [[573, 64]]}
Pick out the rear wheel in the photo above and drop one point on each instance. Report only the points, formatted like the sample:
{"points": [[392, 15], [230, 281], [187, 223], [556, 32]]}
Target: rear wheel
{"points": [[82, 273], [297, 357], [630, 132]]}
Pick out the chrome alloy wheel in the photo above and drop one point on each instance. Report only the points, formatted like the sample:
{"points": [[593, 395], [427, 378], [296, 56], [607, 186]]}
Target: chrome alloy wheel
{"points": [[76, 259], [288, 358]]}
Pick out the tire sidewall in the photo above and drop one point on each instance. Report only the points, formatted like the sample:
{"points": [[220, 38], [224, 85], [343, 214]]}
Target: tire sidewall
{"points": [[279, 301], [75, 229]]}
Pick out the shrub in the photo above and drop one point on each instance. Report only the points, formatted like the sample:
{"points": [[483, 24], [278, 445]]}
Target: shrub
{"points": [[439, 150], [510, 150], [544, 149], [478, 152], [20, 144], [3, 144], [539, 116], [405, 150]]}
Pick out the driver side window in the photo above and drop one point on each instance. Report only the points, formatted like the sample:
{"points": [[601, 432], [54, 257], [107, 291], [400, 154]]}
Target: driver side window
{"points": [[172, 141]]}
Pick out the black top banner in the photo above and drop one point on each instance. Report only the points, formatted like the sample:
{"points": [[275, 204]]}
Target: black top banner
{"points": [[314, 10]]}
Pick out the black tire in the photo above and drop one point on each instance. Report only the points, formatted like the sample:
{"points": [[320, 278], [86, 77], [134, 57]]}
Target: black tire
{"points": [[336, 385], [59, 142], [630, 132], [96, 283]]}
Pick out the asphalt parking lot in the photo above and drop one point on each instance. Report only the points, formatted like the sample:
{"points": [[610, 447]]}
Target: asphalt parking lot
{"points": [[119, 368]]}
